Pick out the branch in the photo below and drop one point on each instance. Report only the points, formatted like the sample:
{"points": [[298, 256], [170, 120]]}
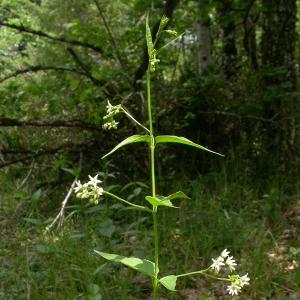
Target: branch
{"points": [[6, 122], [98, 82], [112, 40], [60, 39], [40, 68], [60, 215], [67, 146]]}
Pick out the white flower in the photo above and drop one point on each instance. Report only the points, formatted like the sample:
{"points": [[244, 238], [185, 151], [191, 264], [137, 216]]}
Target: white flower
{"points": [[94, 181], [109, 107], [89, 189], [244, 280], [217, 263], [225, 253], [230, 262], [79, 186], [233, 289]]}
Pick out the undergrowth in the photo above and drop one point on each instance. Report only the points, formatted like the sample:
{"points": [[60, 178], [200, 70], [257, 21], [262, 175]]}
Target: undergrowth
{"points": [[259, 225]]}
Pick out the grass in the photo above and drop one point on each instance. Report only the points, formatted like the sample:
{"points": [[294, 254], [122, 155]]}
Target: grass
{"points": [[258, 224]]}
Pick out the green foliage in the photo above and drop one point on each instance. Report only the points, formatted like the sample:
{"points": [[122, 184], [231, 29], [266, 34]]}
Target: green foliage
{"points": [[91, 54]]}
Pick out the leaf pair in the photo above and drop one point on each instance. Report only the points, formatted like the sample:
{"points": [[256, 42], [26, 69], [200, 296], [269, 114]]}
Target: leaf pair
{"points": [[158, 139]]}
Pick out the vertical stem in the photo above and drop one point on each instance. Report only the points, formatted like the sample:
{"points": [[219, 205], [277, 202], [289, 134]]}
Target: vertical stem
{"points": [[152, 147]]}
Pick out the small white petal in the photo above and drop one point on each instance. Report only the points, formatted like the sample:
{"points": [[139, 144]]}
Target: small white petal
{"points": [[225, 253], [233, 289], [230, 262], [216, 265], [244, 279], [94, 180]]}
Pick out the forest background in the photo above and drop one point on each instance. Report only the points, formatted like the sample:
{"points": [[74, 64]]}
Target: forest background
{"points": [[230, 83]]}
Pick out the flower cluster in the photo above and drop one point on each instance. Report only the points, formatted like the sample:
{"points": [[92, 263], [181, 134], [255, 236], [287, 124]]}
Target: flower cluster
{"points": [[237, 282], [153, 62], [109, 118], [223, 260], [89, 189]]}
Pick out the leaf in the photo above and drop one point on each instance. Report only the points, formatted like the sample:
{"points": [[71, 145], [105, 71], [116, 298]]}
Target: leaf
{"points": [[36, 196], [163, 22], [99, 269], [157, 201], [43, 248], [142, 265], [95, 208], [74, 172], [180, 140], [107, 231], [21, 194], [176, 195], [169, 282], [77, 236], [94, 297], [149, 38], [36, 222], [166, 45], [165, 201], [93, 288], [130, 140]]}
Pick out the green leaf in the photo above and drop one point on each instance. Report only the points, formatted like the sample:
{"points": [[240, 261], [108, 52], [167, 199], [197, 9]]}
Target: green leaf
{"points": [[77, 236], [165, 201], [43, 248], [74, 172], [107, 231], [166, 45], [149, 38], [94, 297], [99, 269], [95, 208], [180, 140], [21, 194], [36, 222], [142, 265], [93, 288], [169, 282], [159, 200], [130, 140], [176, 195], [36, 196], [163, 22]]}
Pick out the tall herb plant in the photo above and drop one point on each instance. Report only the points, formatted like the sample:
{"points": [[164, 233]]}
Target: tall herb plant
{"points": [[93, 191]]}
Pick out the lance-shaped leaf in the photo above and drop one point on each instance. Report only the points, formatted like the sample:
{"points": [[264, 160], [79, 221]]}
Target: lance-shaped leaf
{"points": [[163, 22], [176, 195], [158, 200], [144, 266], [130, 140], [169, 282], [165, 201], [149, 38], [180, 140], [166, 45]]}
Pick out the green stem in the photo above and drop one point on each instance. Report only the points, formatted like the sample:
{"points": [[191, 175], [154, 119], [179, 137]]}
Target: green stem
{"points": [[129, 203], [154, 212], [131, 117], [203, 272]]}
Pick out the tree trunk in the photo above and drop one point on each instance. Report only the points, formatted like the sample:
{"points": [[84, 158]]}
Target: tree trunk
{"points": [[280, 105], [250, 39], [229, 51], [204, 43]]}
